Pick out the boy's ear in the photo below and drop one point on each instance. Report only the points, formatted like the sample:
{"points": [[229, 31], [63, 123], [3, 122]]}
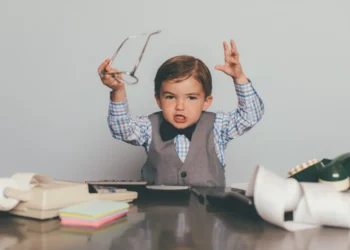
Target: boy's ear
{"points": [[207, 102], [158, 100]]}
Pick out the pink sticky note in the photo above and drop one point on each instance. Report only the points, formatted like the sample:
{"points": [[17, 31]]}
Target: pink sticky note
{"points": [[97, 223]]}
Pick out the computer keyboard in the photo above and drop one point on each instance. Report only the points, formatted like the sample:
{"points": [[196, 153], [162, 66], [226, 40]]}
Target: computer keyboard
{"points": [[130, 185], [118, 182]]}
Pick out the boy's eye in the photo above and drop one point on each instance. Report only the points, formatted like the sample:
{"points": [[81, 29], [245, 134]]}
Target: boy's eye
{"points": [[192, 97], [169, 97]]}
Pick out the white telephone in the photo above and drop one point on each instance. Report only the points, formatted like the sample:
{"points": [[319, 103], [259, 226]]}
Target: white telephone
{"points": [[41, 197]]}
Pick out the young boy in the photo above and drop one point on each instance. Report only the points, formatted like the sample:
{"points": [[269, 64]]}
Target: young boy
{"points": [[185, 144]]}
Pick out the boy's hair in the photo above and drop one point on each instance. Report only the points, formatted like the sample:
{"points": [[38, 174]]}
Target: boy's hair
{"points": [[180, 68]]}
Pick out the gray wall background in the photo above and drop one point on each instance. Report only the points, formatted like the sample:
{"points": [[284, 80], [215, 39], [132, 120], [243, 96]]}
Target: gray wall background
{"points": [[54, 107]]}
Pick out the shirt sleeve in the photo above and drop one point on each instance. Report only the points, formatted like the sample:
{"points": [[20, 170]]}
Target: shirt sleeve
{"points": [[235, 123], [133, 130]]}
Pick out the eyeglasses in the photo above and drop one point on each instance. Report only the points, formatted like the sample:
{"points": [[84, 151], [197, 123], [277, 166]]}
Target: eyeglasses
{"points": [[129, 77]]}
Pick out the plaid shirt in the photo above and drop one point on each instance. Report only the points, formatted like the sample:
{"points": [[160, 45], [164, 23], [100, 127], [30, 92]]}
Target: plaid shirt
{"points": [[227, 125]]}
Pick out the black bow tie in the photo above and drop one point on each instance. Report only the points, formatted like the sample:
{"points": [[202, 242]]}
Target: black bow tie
{"points": [[169, 132]]}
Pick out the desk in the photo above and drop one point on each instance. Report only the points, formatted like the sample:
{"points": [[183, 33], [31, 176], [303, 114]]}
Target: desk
{"points": [[175, 224]]}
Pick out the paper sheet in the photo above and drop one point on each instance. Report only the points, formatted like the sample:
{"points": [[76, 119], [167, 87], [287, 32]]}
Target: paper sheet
{"points": [[313, 204]]}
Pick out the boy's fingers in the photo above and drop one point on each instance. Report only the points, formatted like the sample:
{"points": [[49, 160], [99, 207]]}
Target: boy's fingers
{"points": [[233, 45], [111, 70], [110, 79], [102, 67], [226, 50], [234, 51], [219, 67]]}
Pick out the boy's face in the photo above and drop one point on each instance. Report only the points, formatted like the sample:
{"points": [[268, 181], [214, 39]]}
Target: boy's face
{"points": [[182, 102]]}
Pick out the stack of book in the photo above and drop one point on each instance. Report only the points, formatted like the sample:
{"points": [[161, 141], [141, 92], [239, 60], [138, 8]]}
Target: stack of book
{"points": [[93, 213]]}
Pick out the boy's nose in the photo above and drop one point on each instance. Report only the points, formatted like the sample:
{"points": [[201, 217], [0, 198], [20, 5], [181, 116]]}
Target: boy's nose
{"points": [[179, 105]]}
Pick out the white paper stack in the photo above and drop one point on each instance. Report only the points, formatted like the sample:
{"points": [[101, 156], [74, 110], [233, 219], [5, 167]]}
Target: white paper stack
{"points": [[313, 204]]}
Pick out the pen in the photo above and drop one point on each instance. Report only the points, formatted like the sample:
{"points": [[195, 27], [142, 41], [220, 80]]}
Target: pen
{"points": [[198, 194]]}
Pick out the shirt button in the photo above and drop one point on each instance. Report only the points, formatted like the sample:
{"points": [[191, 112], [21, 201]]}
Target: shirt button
{"points": [[183, 174]]}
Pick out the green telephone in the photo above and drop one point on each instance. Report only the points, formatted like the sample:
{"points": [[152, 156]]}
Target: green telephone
{"points": [[333, 171]]}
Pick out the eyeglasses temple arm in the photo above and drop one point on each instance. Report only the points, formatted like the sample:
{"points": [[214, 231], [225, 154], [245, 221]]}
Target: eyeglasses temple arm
{"points": [[121, 45], [143, 51]]}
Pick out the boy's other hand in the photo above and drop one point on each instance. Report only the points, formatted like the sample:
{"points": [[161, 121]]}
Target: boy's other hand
{"points": [[108, 78], [232, 66]]}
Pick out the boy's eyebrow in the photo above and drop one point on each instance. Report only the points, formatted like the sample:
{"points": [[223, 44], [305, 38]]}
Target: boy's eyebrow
{"points": [[167, 92]]}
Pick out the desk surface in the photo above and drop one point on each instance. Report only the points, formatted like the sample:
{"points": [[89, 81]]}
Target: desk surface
{"points": [[174, 224]]}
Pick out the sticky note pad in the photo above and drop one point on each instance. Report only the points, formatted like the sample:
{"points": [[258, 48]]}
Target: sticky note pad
{"points": [[94, 209], [95, 223], [76, 229]]}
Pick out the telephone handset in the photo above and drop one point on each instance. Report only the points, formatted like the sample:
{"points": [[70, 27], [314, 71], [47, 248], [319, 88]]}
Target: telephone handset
{"points": [[333, 171]]}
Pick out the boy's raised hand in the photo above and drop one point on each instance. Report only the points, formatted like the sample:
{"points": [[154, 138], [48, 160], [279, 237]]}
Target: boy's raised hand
{"points": [[232, 66], [106, 74]]}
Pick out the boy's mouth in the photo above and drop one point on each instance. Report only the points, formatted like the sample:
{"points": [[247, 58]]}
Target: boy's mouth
{"points": [[180, 118]]}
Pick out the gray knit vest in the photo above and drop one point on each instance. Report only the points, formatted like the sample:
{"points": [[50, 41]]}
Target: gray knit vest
{"points": [[201, 167]]}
